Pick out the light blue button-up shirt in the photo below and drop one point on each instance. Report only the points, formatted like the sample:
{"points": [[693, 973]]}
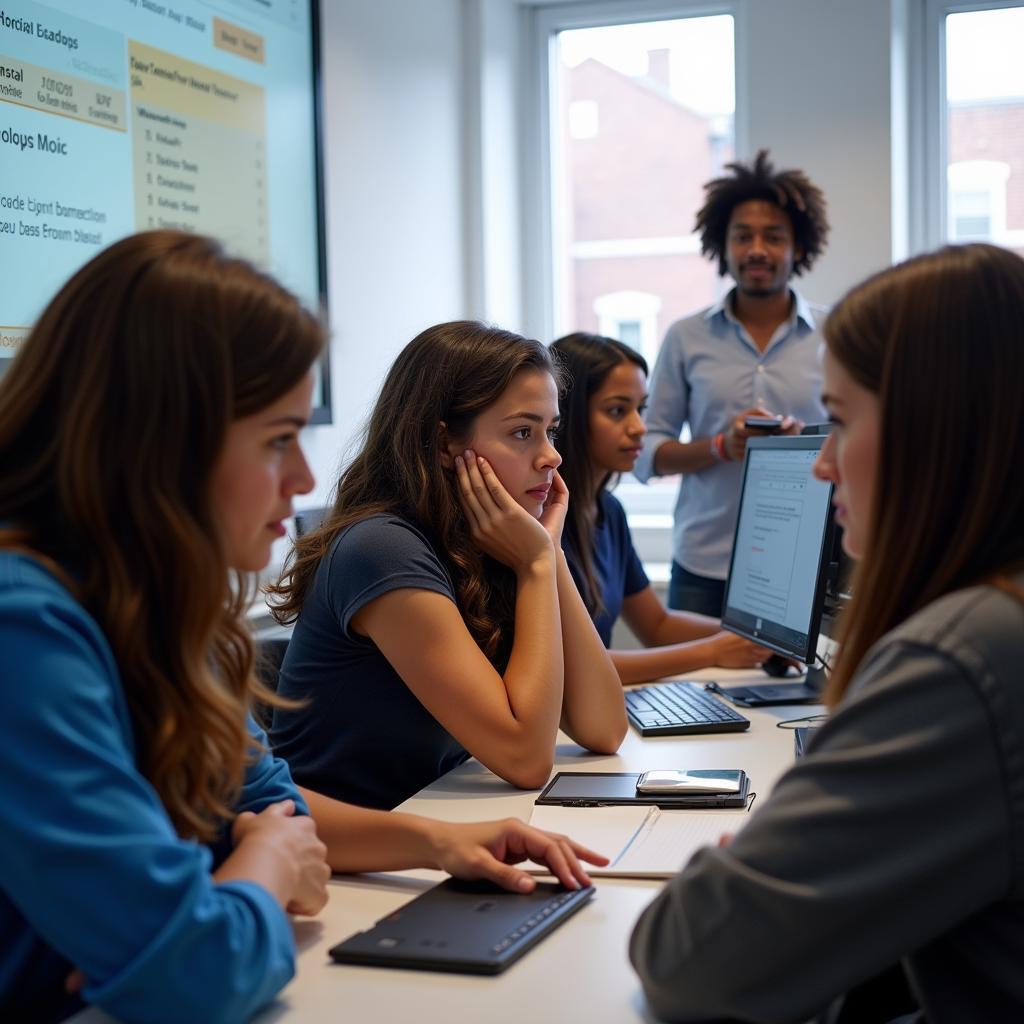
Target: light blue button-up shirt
{"points": [[708, 371]]}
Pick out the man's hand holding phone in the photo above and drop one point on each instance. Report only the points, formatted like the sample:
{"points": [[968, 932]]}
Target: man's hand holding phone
{"points": [[756, 422]]}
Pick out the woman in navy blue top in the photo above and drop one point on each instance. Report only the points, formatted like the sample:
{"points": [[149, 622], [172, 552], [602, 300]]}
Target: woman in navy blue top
{"points": [[600, 436], [151, 848], [436, 615]]}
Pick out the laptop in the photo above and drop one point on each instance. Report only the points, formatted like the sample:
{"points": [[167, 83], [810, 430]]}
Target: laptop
{"points": [[463, 927]]}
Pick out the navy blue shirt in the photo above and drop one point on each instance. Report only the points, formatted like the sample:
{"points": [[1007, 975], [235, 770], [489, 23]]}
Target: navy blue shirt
{"points": [[362, 736], [618, 568]]}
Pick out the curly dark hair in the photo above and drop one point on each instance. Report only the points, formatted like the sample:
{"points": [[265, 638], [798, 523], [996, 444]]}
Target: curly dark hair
{"points": [[791, 191]]}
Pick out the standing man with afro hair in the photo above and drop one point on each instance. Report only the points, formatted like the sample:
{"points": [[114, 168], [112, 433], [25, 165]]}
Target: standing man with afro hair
{"points": [[754, 353]]}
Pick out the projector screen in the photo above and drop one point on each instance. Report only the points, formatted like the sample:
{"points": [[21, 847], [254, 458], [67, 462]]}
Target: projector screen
{"points": [[121, 115]]}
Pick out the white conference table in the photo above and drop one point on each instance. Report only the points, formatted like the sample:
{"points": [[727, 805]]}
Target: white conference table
{"points": [[579, 972]]}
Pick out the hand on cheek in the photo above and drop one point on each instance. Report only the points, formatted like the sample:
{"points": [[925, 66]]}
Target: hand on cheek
{"points": [[499, 526], [552, 518]]}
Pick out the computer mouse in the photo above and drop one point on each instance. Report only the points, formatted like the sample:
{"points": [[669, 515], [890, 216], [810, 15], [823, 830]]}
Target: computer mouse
{"points": [[776, 665]]}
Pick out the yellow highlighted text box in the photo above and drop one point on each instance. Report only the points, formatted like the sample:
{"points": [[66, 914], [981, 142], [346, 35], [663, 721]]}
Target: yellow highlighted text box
{"points": [[194, 90], [238, 40]]}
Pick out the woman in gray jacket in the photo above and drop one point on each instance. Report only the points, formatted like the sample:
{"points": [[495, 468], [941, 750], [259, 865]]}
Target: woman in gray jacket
{"points": [[897, 843]]}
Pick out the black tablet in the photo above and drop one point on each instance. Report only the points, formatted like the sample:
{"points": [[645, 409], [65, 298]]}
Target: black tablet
{"points": [[766, 695], [597, 789]]}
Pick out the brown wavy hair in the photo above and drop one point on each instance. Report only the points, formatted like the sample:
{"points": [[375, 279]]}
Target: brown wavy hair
{"points": [[791, 191], [112, 417], [586, 361], [440, 382], [940, 340]]}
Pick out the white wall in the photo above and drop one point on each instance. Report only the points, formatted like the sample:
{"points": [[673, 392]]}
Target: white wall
{"points": [[817, 87], [391, 72], [493, 76]]}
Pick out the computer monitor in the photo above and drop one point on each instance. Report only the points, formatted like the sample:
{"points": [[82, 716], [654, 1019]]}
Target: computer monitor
{"points": [[782, 552], [840, 569]]}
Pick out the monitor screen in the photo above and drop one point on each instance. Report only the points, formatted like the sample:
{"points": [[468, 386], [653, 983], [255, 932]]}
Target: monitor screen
{"points": [[782, 547], [121, 115]]}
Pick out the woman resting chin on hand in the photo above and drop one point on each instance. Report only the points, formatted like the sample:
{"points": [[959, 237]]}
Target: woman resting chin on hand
{"points": [[435, 615]]}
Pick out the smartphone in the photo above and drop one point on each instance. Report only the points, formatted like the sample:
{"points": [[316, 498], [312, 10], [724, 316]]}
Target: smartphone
{"points": [[693, 781], [763, 422]]}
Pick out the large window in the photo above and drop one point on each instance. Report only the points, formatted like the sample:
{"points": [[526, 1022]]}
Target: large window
{"points": [[641, 115], [978, 194]]}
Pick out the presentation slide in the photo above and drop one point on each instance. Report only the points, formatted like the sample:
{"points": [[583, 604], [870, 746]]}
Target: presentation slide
{"points": [[779, 538], [122, 115]]}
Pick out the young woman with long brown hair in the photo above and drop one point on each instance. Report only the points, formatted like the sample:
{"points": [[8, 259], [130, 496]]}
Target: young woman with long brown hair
{"points": [[149, 844], [893, 848], [436, 616], [600, 436]]}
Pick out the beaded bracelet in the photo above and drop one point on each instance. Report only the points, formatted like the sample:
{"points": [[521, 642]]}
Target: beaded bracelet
{"points": [[718, 450]]}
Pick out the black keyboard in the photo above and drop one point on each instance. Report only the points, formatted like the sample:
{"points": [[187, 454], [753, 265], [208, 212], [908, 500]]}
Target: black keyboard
{"points": [[466, 927], [540, 917], [674, 709]]}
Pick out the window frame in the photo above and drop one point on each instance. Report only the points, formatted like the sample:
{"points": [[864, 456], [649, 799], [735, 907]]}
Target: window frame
{"points": [[933, 156], [540, 231]]}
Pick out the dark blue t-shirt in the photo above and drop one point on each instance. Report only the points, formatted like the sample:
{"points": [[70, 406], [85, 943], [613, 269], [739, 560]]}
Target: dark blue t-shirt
{"points": [[362, 735], [618, 568]]}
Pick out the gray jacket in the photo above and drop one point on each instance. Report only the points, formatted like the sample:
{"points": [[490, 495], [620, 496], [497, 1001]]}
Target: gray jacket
{"points": [[899, 836]]}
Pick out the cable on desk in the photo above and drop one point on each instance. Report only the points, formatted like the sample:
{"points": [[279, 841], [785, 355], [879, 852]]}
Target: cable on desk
{"points": [[807, 722]]}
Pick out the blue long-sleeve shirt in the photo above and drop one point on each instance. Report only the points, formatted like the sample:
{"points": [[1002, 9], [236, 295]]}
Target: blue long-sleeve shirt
{"points": [[92, 873]]}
